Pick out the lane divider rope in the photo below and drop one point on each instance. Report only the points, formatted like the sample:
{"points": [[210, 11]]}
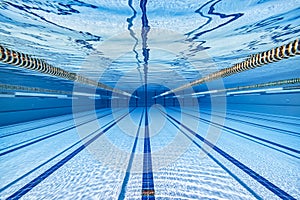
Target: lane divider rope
{"points": [[260, 85], [32, 89], [15, 58], [256, 60]]}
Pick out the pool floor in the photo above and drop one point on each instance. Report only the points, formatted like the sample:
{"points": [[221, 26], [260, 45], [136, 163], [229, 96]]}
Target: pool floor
{"points": [[162, 156]]}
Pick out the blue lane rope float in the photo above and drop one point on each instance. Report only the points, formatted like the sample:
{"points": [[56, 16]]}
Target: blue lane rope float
{"points": [[15, 58], [256, 60]]}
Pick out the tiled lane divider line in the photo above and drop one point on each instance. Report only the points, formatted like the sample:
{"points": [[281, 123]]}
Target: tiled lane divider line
{"points": [[252, 140], [249, 115], [288, 132], [259, 118], [56, 156], [267, 184], [147, 182], [266, 115], [216, 161], [127, 175], [49, 124], [25, 189], [232, 130], [46, 134], [49, 135]]}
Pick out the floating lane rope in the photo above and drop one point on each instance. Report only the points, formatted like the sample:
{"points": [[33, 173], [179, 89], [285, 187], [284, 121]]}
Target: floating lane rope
{"points": [[25, 61], [268, 84], [260, 85], [282, 52], [32, 89]]}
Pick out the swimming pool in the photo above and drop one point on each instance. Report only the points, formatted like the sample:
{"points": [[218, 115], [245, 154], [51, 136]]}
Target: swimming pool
{"points": [[148, 99]]}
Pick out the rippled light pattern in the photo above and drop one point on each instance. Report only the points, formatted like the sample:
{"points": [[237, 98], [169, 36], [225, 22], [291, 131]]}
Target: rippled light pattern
{"points": [[149, 99]]}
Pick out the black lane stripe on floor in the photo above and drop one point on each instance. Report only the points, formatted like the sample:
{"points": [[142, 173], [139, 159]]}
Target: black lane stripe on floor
{"points": [[43, 125], [255, 141], [242, 133], [259, 118], [49, 135], [57, 155], [127, 175], [270, 186], [286, 132], [218, 162], [252, 140], [25, 189], [40, 136], [283, 131], [258, 142], [147, 181], [264, 114]]}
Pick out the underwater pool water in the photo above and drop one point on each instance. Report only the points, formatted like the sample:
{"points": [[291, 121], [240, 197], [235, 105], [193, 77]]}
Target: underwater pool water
{"points": [[149, 99]]}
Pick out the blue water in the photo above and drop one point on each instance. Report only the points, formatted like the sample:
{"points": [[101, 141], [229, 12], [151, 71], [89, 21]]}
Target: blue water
{"points": [[61, 139]]}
